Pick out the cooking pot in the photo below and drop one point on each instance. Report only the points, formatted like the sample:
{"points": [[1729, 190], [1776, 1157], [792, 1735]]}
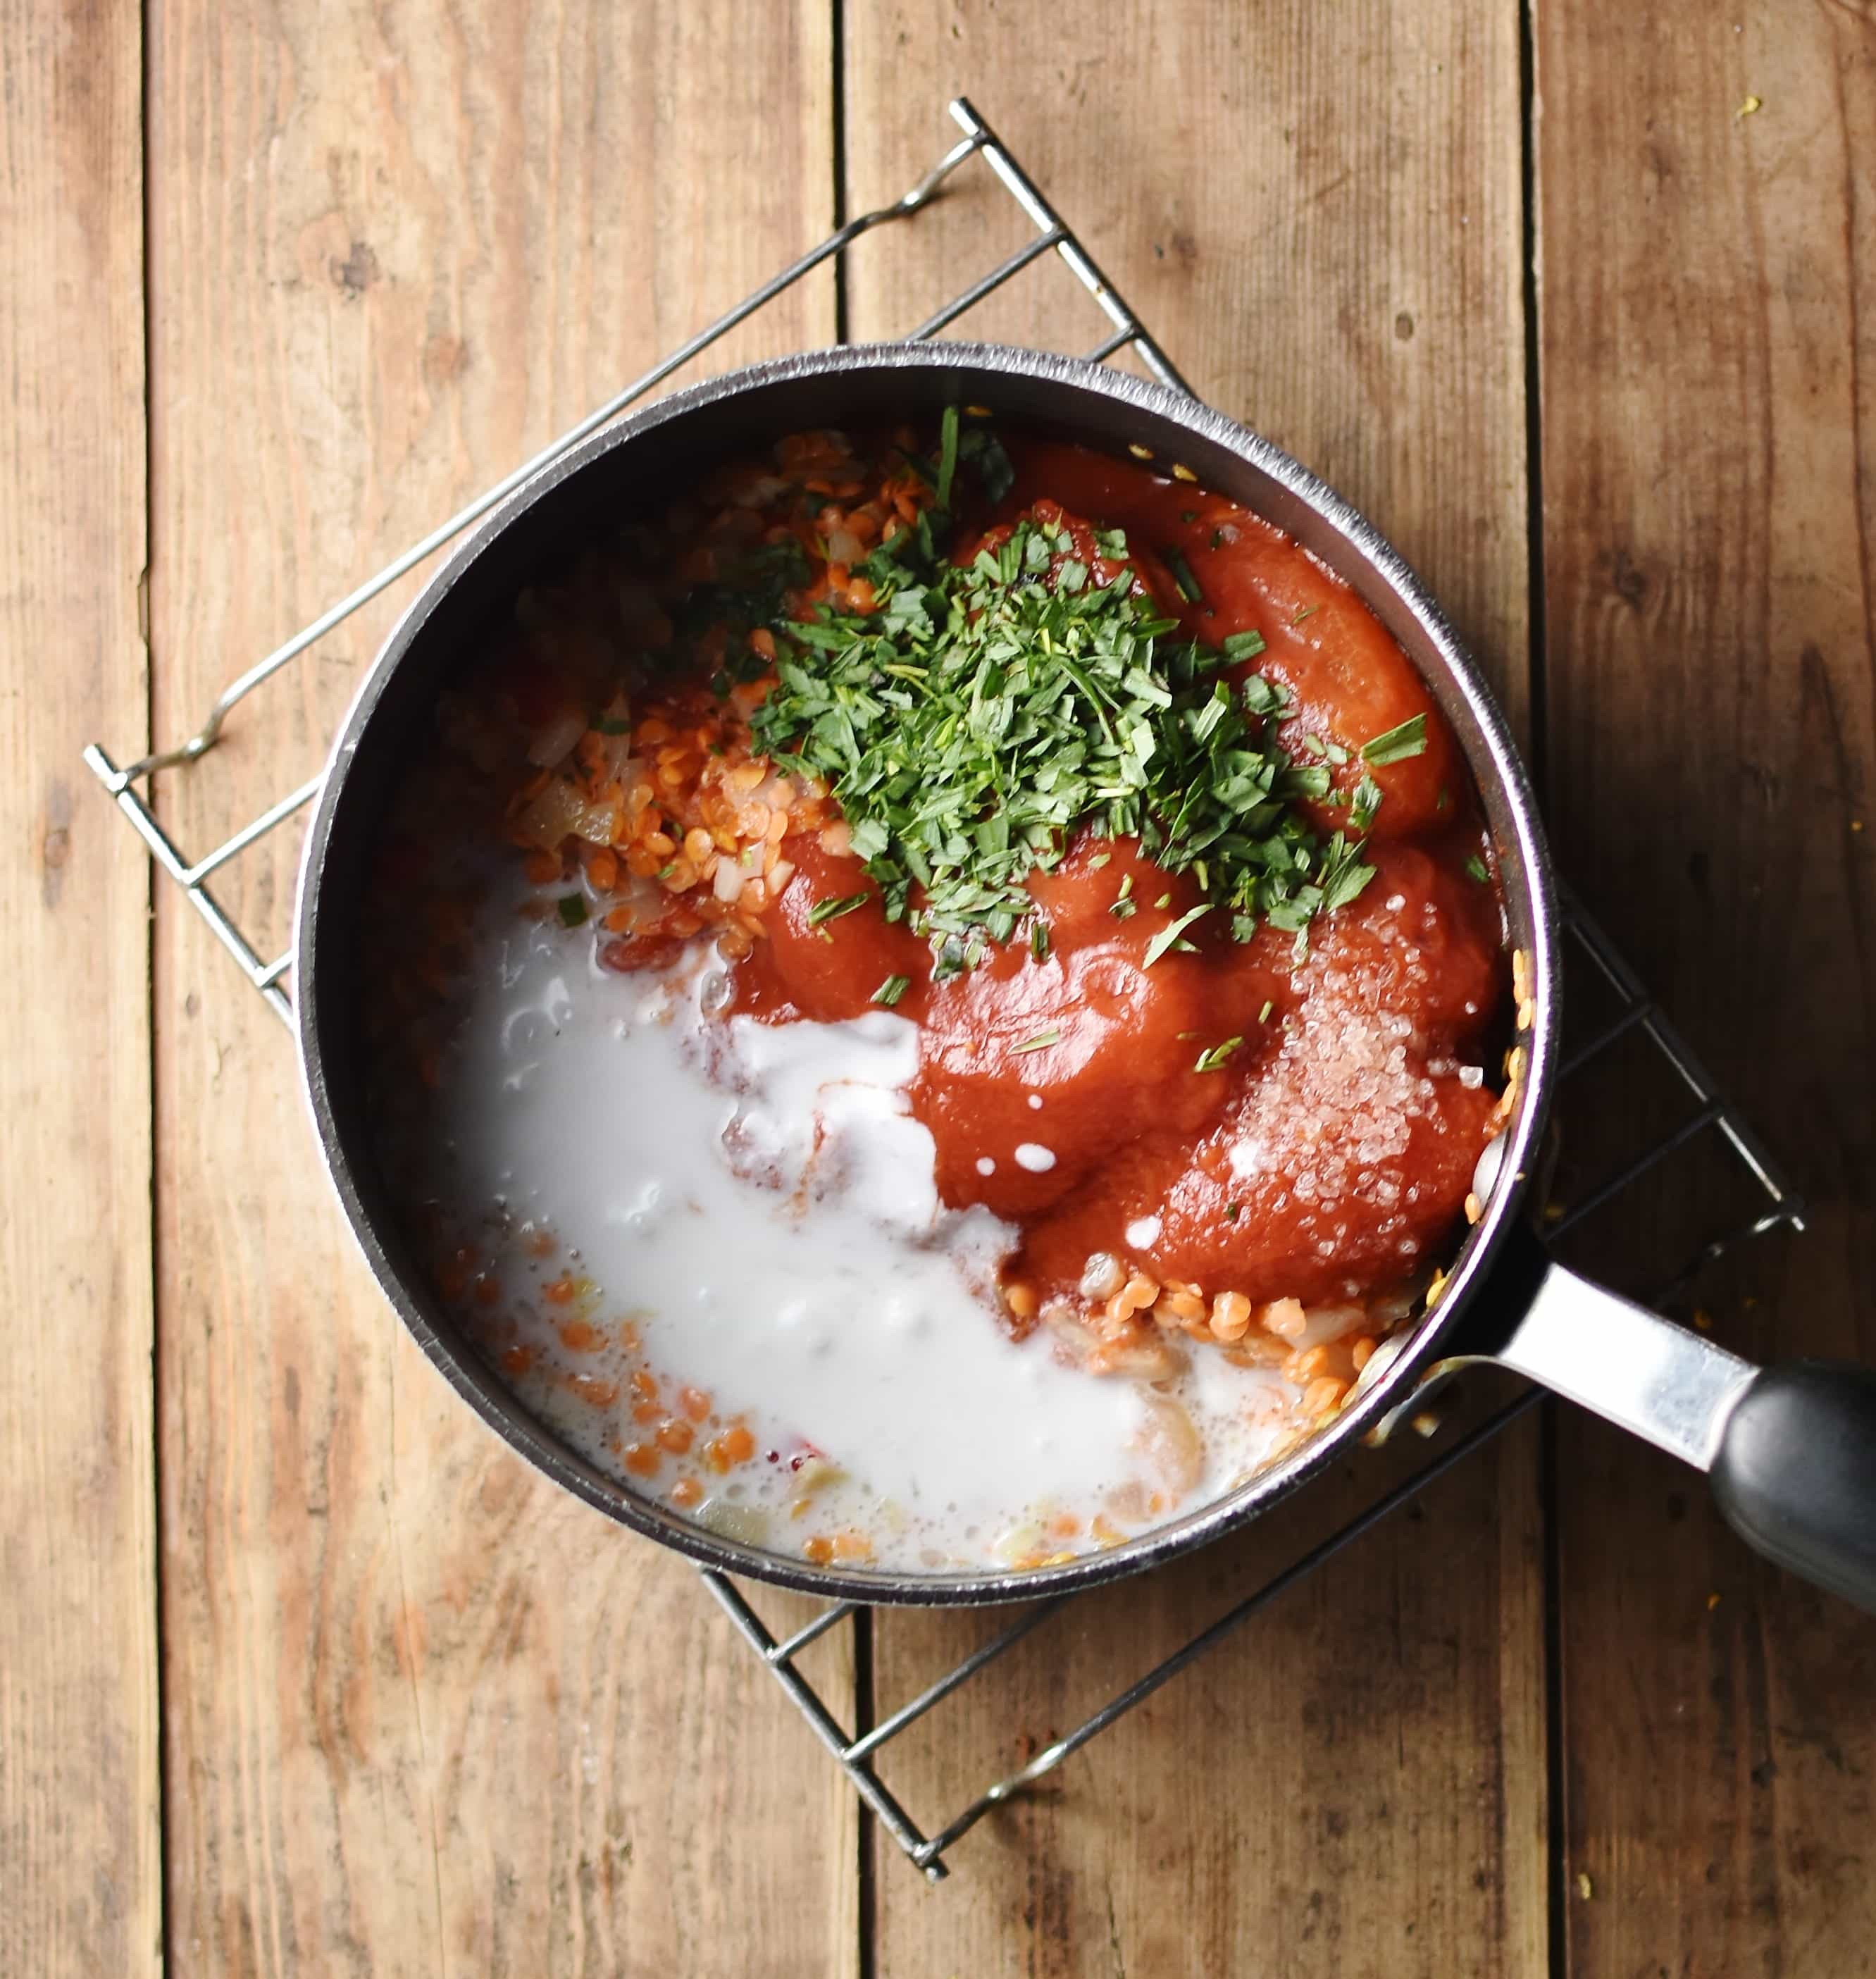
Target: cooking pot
{"points": [[1791, 1450]]}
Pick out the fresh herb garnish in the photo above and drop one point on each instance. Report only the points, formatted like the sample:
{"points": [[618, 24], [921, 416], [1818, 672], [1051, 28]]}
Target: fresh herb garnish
{"points": [[1304, 613], [1231, 1212], [832, 909], [889, 992], [947, 455], [1214, 1059], [572, 908], [1263, 1015], [1366, 801], [1041, 1042], [1395, 745], [1477, 868], [1182, 576], [981, 715], [1172, 932], [1125, 907], [1039, 941]]}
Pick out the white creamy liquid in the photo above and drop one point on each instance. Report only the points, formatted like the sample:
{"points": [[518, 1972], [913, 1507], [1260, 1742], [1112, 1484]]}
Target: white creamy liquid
{"points": [[759, 1200]]}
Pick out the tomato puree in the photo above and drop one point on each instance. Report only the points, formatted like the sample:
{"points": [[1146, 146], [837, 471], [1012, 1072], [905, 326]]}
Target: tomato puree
{"points": [[1233, 1116]]}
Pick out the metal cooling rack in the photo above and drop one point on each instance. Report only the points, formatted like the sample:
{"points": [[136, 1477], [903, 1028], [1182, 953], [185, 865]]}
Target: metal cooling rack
{"points": [[1590, 961]]}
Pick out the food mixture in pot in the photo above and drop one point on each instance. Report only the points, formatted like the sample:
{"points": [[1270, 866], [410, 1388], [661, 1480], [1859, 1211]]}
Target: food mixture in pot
{"points": [[937, 998]]}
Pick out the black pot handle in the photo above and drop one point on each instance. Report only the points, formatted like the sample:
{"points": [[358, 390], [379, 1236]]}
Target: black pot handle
{"points": [[1795, 1472], [1791, 1450]]}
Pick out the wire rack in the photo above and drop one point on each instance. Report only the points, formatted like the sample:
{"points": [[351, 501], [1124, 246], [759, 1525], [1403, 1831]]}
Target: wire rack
{"points": [[1698, 1115]]}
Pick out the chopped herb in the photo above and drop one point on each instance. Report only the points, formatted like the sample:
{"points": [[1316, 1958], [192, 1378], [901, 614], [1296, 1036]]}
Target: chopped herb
{"points": [[1367, 801], [1395, 745], [1214, 1059], [833, 908], [666, 870], [1098, 860], [1039, 941], [1444, 800], [1041, 1042], [1218, 539], [1477, 868], [1171, 933], [889, 992], [1304, 613], [573, 911], [1231, 1212], [1164, 900], [982, 717], [947, 455], [607, 725], [1125, 906], [1263, 1015], [1182, 576], [985, 452]]}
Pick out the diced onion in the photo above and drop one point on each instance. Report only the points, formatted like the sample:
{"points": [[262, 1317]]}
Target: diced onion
{"points": [[553, 741]]}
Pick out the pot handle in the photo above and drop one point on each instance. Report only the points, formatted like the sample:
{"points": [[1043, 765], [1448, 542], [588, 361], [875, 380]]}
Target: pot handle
{"points": [[1791, 1449]]}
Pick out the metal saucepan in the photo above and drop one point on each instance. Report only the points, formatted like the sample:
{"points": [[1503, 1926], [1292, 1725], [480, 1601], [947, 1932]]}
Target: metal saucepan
{"points": [[1791, 1450]]}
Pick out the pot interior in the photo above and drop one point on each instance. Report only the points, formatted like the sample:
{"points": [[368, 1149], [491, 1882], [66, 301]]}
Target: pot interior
{"points": [[634, 469]]}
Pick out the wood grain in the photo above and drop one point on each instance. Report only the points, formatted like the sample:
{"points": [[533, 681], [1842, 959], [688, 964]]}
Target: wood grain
{"points": [[425, 1713], [80, 1883], [1708, 318], [1318, 210]]}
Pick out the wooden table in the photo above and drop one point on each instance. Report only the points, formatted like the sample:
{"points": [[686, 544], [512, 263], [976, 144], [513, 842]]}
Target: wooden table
{"points": [[300, 1672]]}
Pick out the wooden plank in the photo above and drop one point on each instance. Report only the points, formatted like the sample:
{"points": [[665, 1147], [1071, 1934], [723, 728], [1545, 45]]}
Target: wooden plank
{"points": [[1319, 212], [80, 1807], [1708, 241], [425, 1712]]}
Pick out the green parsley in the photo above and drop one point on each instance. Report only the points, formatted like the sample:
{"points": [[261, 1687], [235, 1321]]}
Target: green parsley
{"points": [[1039, 941], [1395, 745], [981, 715], [1214, 1059], [1041, 1042], [1477, 868], [1182, 576], [1171, 933], [889, 992], [573, 911], [833, 908], [1231, 1212], [1263, 1015], [947, 456]]}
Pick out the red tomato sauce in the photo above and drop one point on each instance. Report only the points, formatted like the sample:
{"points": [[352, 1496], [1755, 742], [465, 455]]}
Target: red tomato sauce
{"points": [[1262, 1126]]}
